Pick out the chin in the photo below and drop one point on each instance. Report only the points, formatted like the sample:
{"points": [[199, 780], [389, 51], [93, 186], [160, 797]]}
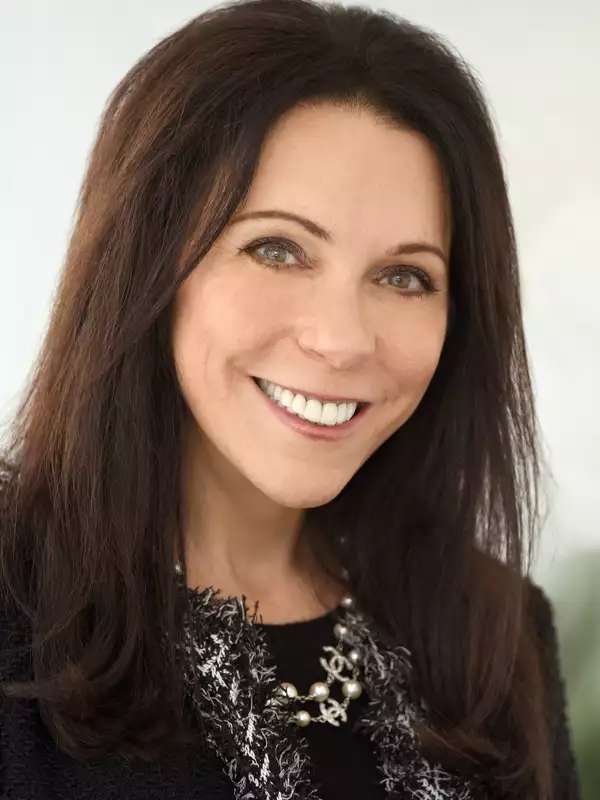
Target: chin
{"points": [[299, 497]]}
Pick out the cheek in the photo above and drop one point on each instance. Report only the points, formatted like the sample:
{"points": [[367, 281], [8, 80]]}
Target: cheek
{"points": [[217, 320], [233, 307], [414, 358], [190, 336]]}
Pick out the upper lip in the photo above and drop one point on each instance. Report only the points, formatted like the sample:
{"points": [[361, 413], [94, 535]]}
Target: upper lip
{"points": [[324, 397]]}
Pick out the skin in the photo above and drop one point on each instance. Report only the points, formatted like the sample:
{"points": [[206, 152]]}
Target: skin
{"points": [[330, 320]]}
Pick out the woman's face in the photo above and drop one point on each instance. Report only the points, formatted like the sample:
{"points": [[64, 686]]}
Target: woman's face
{"points": [[328, 313]]}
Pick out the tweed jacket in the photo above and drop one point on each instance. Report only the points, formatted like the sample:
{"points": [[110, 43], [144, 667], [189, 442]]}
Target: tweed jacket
{"points": [[256, 753]]}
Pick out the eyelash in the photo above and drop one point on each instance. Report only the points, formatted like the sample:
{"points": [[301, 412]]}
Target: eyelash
{"points": [[295, 250]]}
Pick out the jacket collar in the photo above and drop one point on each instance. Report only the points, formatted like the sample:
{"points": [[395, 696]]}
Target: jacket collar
{"points": [[230, 680]]}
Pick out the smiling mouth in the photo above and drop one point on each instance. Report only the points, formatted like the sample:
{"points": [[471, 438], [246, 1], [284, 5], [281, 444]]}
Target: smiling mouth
{"points": [[328, 430], [359, 403], [314, 430]]}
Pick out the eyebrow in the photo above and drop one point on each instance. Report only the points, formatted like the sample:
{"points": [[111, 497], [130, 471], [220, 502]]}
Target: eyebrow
{"points": [[321, 233]]}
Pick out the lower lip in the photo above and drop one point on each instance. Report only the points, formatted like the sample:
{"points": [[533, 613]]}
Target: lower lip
{"points": [[330, 432]]}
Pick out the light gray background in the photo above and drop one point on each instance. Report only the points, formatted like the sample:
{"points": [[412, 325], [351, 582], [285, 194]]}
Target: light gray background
{"points": [[540, 68]]}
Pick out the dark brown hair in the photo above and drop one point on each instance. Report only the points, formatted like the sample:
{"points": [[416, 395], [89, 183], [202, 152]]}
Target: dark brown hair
{"points": [[439, 522]]}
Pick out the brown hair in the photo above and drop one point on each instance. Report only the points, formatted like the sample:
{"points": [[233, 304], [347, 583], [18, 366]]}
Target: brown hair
{"points": [[439, 522]]}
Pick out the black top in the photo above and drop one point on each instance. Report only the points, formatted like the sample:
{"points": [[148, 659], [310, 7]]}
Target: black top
{"points": [[343, 762], [32, 767]]}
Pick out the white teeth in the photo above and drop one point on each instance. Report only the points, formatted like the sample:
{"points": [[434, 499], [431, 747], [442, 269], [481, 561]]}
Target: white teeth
{"points": [[309, 408]]}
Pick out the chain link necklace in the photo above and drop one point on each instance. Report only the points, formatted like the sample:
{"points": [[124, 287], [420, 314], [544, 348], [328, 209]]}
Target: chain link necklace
{"points": [[341, 662]]}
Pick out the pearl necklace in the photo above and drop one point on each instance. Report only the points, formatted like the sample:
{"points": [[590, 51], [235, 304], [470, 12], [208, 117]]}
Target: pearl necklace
{"points": [[335, 663]]}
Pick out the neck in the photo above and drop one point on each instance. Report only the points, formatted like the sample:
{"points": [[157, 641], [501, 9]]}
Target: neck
{"points": [[301, 591], [249, 546]]}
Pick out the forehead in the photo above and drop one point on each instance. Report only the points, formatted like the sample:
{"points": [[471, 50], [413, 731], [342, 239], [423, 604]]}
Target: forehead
{"points": [[353, 172]]}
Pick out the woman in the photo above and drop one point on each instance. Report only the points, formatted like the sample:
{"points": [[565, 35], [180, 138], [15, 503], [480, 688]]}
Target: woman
{"points": [[285, 371]]}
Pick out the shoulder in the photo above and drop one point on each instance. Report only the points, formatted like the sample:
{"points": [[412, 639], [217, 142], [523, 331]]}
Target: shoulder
{"points": [[500, 579], [538, 610], [539, 630], [15, 641], [543, 628]]}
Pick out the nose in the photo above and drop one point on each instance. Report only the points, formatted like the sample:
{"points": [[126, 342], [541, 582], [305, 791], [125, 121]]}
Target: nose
{"points": [[337, 330]]}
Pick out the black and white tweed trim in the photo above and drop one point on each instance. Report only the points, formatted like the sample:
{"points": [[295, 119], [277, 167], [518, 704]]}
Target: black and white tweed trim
{"points": [[230, 679]]}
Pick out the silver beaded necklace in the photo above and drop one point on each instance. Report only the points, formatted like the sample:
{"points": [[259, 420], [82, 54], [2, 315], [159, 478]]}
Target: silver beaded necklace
{"points": [[337, 663], [341, 662]]}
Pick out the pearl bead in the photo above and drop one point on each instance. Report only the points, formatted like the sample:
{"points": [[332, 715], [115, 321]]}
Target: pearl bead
{"points": [[178, 568], [351, 689], [347, 601], [319, 691], [340, 630], [302, 718], [355, 656], [289, 690]]}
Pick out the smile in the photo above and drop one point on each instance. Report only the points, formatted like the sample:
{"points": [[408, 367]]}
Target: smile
{"points": [[322, 420]]}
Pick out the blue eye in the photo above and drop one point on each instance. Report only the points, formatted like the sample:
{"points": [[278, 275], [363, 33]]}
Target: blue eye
{"points": [[286, 247]]}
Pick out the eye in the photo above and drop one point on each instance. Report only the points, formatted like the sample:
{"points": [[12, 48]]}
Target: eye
{"points": [[411, 272], [280, 247], [271, 245]]}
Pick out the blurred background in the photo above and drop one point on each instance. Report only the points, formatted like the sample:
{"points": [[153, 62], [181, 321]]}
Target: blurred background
{"points": [[539, 64]]}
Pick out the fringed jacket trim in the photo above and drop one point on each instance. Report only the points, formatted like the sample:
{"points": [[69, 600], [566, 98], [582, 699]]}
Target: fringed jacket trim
{"points": [[231, 678]]}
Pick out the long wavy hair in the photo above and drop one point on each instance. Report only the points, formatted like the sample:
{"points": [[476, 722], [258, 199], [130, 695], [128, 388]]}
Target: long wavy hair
{"points": [[439, 524]]}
